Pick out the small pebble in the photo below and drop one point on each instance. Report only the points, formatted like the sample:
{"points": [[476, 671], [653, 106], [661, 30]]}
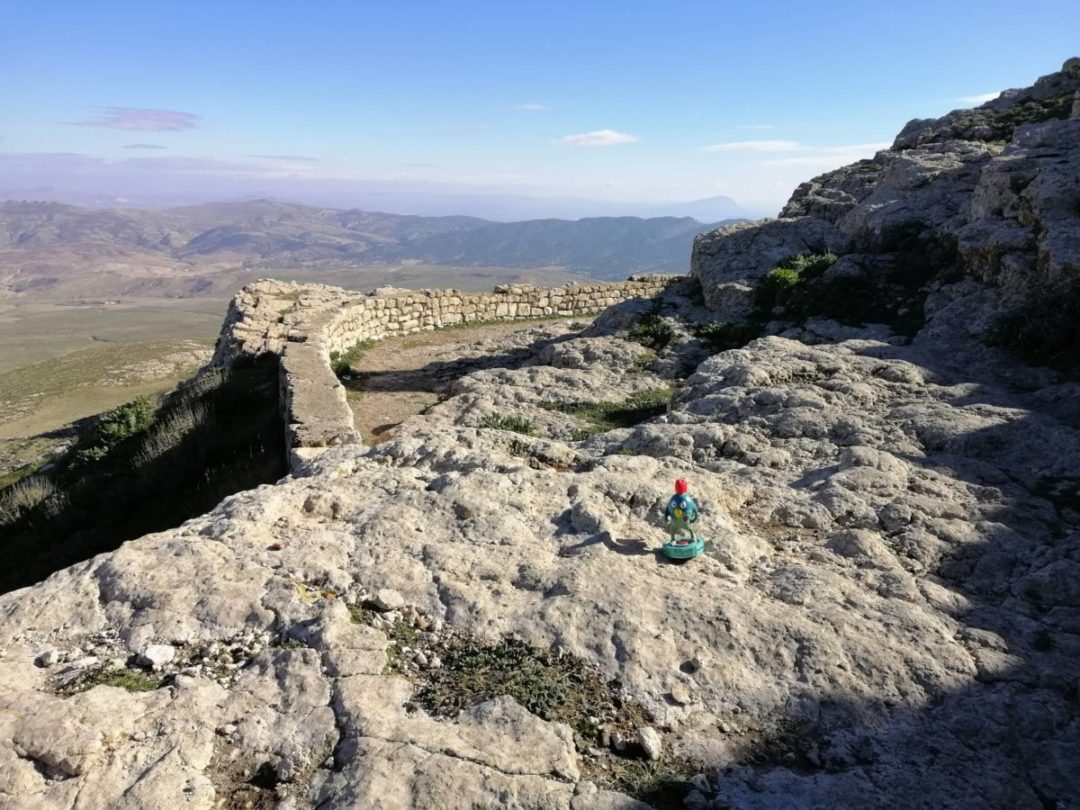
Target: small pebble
{"points": [[585, 789], [387, 599], [156, 656], [650, 740], [681, 695], [47, 658]]}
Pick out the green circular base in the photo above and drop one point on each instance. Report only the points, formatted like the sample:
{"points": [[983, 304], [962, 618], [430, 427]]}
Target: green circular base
{"points": [[684, 549]]}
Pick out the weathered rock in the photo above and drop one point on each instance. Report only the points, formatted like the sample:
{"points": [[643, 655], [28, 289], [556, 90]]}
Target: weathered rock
{"points": [[156, 656], [388, 599], [47, 658], [727, 261], [651, 742]]}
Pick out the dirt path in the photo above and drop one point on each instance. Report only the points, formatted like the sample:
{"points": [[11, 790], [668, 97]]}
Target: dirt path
{"points": [[400, 377]]}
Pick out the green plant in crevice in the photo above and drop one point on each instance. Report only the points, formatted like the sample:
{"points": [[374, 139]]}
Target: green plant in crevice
{"points": [[784, 285], [131, 680], [652, 331], [604, 416], [342, 362], [517, 424], [722, 336]]}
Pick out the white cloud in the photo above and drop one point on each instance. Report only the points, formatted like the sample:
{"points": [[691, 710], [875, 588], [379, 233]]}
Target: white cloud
{"points": [[857, 149], [533, 107], [142, 119], [981, 98], [756, 146], [832, 157], [601, 137]]}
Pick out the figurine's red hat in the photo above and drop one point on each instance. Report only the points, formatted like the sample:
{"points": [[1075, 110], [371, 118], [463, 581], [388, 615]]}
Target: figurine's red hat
{"points": [[680, 487]]}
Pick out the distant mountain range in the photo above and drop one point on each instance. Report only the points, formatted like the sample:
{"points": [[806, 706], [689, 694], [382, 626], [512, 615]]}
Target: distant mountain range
{"points": [[45, 244], [493, 206]]}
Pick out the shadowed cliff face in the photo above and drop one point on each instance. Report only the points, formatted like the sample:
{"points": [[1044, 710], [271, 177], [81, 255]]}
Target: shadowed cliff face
{"points": [[888, 613], [220, 435]]}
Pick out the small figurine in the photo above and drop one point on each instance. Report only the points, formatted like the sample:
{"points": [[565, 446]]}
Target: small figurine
{"points": [[681, 513]]}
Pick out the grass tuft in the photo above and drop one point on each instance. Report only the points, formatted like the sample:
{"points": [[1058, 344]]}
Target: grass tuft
{"points": [[605, 416], [23, 496], [130, 680], [517, 424]]}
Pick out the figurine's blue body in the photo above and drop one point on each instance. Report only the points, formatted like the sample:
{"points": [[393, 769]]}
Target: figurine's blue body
{"points": [[682, 513]]}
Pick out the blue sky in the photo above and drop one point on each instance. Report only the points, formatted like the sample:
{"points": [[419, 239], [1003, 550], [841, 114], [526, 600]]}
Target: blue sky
{"points": [[615, 101]]}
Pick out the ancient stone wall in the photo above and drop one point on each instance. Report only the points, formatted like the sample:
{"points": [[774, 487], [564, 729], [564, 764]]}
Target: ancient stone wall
{"points": [[305, 323]]}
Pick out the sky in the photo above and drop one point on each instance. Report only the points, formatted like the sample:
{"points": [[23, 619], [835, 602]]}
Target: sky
{"points": [[431, 104]]}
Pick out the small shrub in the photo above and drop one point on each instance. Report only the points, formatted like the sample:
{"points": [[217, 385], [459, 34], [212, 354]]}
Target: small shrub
{"points": [[342, 362], [781, 286], [361, 614], [518, 424], [113, 427], [723, 336], [643, 362], [1036, 112], [810, 265], [776, 288], [652, 331], [796, 290]]}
